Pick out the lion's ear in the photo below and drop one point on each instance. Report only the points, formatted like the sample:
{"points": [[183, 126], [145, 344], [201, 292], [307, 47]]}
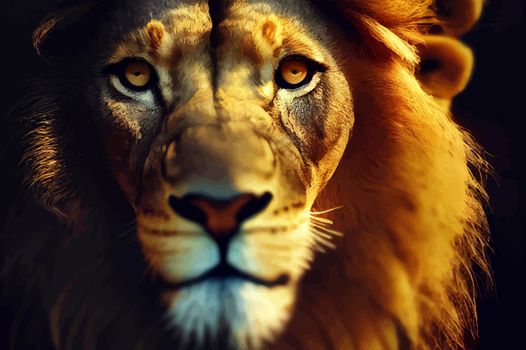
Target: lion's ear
{"points": [[445, 67], [58, 33], [457, 16], [445, 62]]}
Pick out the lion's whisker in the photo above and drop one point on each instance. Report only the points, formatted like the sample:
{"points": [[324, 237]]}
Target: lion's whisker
{"points": [[326, 211], [326, 243], [321, 233], [327, 230], [322, 238], [315, 244], [321, 220]]}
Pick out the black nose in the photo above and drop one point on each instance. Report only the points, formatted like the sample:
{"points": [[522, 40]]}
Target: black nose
{"points": [[219, 217]]}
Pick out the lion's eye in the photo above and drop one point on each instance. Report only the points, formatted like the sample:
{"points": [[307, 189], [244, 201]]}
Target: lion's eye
{"points": [[295, 71], [135, 78], [137, 75]]}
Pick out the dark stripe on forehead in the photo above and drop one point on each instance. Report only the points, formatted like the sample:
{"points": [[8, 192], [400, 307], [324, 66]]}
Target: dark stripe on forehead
{"points": [[216, 9]]}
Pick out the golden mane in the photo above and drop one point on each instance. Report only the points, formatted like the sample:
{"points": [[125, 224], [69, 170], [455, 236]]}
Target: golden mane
{"points": [[411, 191]]}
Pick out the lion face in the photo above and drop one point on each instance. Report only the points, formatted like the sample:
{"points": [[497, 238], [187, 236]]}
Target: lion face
{"points": [[222, 126]]}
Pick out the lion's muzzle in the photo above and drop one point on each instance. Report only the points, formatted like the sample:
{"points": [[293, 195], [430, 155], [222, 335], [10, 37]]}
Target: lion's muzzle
{"points": [[216, 178]]}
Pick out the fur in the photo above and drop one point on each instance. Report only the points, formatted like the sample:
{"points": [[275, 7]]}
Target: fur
{"points": [[407, 194]]}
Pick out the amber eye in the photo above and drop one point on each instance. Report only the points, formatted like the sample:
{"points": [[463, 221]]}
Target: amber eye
{"points": [[137, 75], [295, 71]]}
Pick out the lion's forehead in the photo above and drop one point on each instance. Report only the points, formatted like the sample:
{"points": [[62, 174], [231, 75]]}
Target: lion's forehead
{"points": [[257, 33]]}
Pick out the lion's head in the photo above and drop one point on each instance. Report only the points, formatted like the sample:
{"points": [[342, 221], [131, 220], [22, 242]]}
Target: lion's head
{"points": [[200, 153]]}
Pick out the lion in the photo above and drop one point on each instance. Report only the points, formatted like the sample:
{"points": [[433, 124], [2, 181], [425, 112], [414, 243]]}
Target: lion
{"points": [[247, 175]]}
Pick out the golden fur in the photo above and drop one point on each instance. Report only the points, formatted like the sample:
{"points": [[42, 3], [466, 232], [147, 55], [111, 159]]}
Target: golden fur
{"points": [[407, 193], [410, 191]]}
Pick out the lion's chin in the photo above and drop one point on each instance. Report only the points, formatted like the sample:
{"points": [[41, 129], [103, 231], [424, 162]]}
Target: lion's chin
{"points": [[217, 310]]}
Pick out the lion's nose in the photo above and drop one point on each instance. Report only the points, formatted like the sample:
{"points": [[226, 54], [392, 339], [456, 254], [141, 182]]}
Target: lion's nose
{"points": [[220, 217]]}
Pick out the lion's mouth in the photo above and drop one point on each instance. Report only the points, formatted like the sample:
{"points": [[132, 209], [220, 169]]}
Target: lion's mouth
{"points": [[224, 271]]}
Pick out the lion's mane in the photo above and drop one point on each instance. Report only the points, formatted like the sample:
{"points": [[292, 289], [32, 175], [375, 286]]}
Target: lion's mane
{"points": [[409, 186]]}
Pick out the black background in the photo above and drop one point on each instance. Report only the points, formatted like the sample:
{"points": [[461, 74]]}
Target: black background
{"points": [[492, 107]]}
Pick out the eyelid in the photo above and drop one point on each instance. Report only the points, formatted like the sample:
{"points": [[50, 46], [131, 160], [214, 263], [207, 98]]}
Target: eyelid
{"points": [[317, 65], [112, 67]]}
